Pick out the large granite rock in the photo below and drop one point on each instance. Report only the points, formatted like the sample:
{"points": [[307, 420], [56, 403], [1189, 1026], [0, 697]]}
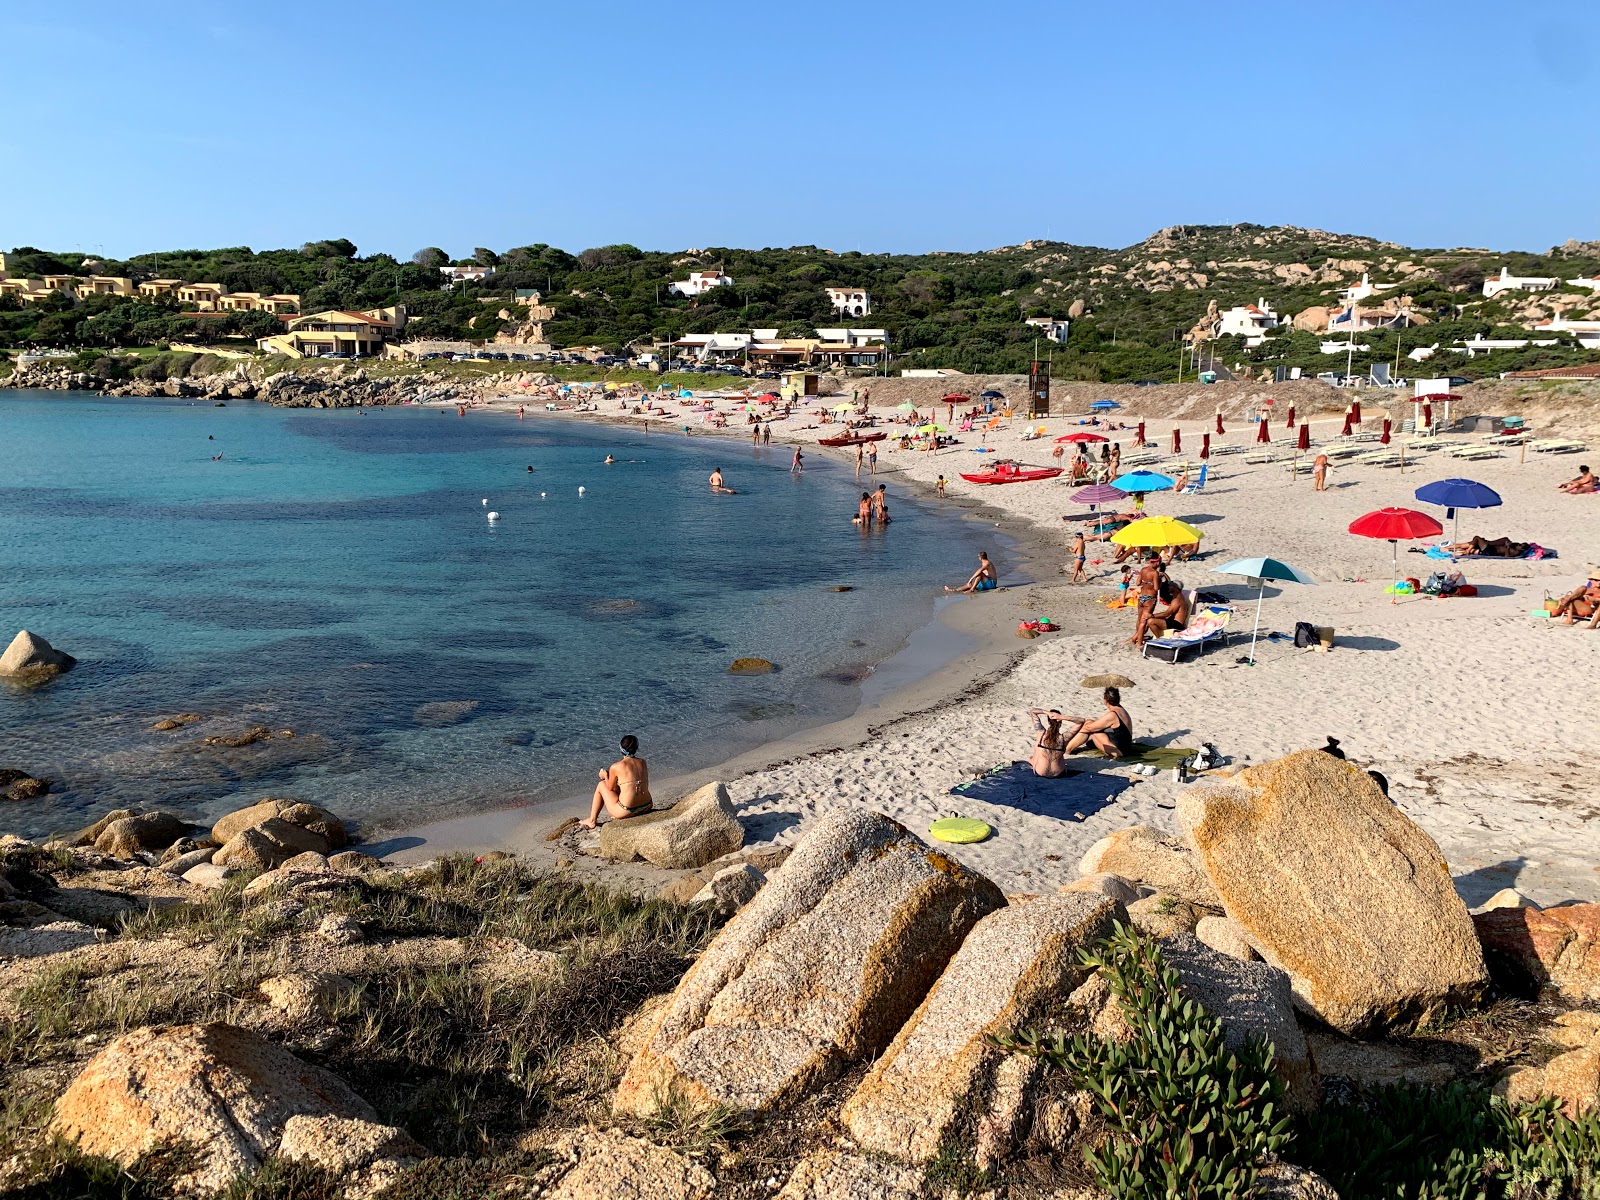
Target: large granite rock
{"points": [[1141, 855], [29, 659], [268, 845], [1332, 883], [143, 834], [89, 833], [295, 812], [942, 1073], [1252, 1000], [344, 1146], [820, 970], [842, 1175], [700, 827], [1554, 946], [223, 1090]]}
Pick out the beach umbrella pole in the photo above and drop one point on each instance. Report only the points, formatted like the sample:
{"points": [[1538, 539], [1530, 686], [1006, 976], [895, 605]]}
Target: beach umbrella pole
{"points": [[1261, 593]]}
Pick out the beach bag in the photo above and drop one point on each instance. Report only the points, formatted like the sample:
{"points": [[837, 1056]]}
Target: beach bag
{"points": [[1166, 654], [1434, 584], [1305, 634], [1467, 589]]}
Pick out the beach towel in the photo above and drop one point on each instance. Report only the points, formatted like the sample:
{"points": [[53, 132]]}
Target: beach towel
{"points": [[1073, 796], [1163, 758]]}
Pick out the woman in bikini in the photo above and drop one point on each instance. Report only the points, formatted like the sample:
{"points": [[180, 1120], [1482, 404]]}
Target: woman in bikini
{"points": [[1048, 759], [863, 515], [1111, 732], [624, 787]]}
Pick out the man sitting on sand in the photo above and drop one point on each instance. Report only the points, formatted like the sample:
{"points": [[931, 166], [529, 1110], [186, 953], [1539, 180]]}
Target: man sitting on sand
{"points": [[1582, 603], [624, 787], [984, 579], [1582, 485]]}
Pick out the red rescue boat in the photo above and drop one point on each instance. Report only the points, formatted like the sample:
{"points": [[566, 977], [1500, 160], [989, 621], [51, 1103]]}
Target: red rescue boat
{"points": [[852, 439], [1011, 472]]}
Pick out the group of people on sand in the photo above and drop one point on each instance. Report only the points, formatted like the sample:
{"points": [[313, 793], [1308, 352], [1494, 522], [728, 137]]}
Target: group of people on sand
{"points": [[1582, 603], [1161, 606], [874, 509], [1060, 735]]}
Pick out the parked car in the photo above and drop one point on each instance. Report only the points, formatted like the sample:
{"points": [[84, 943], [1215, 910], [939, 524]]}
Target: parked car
{"points": [[1147, 383], [1460, 381]]}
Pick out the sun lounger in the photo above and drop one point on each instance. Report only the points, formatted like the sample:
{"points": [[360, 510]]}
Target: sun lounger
{"points": [[1341, 451], [1556, 446], [1380, 457], [1207, 627], [1474, 453], [1263, 456], [1216, 450]]}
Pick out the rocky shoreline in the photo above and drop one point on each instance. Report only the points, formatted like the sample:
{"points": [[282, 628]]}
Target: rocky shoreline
{"points": [[308, 388], [860, 1019]]}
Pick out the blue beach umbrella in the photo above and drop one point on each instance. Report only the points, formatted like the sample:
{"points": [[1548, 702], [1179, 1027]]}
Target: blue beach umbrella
{"points": [[1451, 494], [1102, 405], [991, 394], [1259, 572], [1143, 481]]}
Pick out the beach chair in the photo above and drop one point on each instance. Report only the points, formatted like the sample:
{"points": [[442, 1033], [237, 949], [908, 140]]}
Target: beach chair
{"points": [[1476, 453], [1199, 485], [1207, 627], [1216, 450], [1556, 446], [1378, 457], [1262, 456]]}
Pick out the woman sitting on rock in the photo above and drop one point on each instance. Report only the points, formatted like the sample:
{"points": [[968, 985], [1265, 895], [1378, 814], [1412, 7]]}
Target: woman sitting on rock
{"points": [[624, 787]]}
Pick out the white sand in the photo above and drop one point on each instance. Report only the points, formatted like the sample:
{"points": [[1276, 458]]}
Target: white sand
{"points": [[1481, 717]]}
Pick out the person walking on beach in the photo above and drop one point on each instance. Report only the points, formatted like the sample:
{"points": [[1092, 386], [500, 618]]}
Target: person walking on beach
{"points": [[766, 434], [755, 435], [1319, 473], [624, 787], [872, 457], [1116, 459], [1080, 555], [938, 487], [861, 457], [984, 579]]}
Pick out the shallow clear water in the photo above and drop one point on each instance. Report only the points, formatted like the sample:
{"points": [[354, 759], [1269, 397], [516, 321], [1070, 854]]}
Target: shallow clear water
{"points": [[335, 575]]}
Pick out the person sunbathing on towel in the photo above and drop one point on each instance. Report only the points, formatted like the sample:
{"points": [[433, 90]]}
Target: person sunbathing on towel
{"points": [[1111, 732], [1582, 485]]}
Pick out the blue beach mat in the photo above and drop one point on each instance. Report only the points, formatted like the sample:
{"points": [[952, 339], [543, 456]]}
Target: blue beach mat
{"points": [[1067, 797]]}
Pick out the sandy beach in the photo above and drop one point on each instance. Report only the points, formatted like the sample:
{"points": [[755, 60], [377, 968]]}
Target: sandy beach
{"points": [[1468, 705]]}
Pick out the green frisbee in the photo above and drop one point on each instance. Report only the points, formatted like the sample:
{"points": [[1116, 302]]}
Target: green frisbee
{"points": [[959, 830]]}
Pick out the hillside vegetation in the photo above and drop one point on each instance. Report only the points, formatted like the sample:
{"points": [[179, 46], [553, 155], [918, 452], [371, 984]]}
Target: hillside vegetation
{"points": [[1130, 307]]}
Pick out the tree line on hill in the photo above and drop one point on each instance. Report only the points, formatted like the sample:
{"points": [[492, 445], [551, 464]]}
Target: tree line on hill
{"points": [[965, 311]]}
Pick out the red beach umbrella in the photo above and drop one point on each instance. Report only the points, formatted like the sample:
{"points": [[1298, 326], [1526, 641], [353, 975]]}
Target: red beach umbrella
{"points": [[1394, 525], [1177, 441], [1305, 437], [1384, 436], [1355, 411], [1205, 446], [1291, 417], [1083, 437], [1220, 430], [1139, 435], [1345, 432], [954, 396], [1262, 434]]}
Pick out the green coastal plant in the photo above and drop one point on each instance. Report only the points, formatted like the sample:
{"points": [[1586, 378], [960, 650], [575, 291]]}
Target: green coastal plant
{"points": [[1189, 1117]]}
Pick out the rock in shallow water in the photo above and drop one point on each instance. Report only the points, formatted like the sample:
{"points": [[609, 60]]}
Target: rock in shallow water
{"points": [[31, 660]]}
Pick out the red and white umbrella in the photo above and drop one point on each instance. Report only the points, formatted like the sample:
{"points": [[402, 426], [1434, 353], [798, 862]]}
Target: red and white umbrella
{"points": [[1395, 525]]}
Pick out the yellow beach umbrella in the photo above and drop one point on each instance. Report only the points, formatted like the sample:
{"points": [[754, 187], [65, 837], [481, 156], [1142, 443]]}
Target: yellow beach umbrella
{"points": [[1157, 531], [845, 407]]}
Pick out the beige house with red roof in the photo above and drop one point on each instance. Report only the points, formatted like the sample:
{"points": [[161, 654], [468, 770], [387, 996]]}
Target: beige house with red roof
{"points": [[357, 334], [1253, 322]]}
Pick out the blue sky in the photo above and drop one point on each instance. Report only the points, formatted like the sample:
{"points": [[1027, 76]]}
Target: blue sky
{"points": [[871, 126]]}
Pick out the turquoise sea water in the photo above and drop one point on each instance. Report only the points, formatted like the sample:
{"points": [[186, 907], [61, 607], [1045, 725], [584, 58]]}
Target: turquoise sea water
{"points": [[334, 574]]}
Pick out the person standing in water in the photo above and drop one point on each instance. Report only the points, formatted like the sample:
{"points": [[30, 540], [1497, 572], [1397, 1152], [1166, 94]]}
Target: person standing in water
{"points": [[872, 457], [861, 457], [880, 504], [863, 516], [797, 465], [624, 787], [766, 434]]}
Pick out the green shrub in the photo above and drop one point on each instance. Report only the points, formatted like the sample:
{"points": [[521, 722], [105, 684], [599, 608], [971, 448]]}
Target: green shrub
{"points": [[1189, 1117], [1452, 1143]]}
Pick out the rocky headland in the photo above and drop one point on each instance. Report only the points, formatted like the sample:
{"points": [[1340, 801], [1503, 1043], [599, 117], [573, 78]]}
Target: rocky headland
{"points": [[260, 1005]]}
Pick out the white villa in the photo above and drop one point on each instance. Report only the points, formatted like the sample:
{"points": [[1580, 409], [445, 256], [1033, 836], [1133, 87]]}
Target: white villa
{"points": [[1253, 322], [472, 274], [1051, 327], [849, 302], [1507, 282], [1585, 282], [699, 283], [1358, 292], [1586, 333]]}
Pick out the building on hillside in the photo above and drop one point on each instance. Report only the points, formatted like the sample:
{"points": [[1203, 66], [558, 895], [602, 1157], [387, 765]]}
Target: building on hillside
{"points": [[1586, 333], [60, 283], [1357, 292], [1592, 284], [256, 302], [203, 296], [1507, 282], [1253, 322], [353, 334], [104, 285], [849, 302], [470, 274], [156, 289], [699, 283], [1482, 345], [782, 352], [25, 291], [1053, 328]]}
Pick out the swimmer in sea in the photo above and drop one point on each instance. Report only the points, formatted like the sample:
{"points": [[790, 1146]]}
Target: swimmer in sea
{"points": [[530, 468], [610, 458], [624, 787], [717, 486]]}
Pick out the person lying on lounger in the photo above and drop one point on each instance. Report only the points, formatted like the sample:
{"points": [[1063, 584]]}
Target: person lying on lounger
{"points": [[1582, 603]]}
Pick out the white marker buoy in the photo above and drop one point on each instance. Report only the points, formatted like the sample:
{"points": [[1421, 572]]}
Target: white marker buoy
{"points": [[494, 516], [542, 495], [486, 502], [581, 489]]}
